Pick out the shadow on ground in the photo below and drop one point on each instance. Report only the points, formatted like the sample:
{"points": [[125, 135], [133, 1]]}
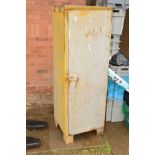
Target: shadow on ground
{"points": [[113, 142]]}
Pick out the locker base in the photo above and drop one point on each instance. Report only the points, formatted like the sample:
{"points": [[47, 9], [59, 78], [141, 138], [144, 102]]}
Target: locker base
{"points": [[99, 132], [68, 139], [56, 123]]}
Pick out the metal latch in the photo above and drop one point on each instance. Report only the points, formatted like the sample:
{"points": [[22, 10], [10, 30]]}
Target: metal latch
{"points": [[73, 78]]}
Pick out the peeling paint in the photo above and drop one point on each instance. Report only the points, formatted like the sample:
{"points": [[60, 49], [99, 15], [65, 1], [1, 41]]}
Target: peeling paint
{"points": [[69, 34], [90, 21], [75, 18], [89, 47]]}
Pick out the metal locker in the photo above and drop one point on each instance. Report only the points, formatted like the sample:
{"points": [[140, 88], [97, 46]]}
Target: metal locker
{"points": [[81, 50]]}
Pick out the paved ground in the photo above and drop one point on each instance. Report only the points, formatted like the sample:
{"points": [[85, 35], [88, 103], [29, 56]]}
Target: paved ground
{"points": [[115, 138], [118, 138]]}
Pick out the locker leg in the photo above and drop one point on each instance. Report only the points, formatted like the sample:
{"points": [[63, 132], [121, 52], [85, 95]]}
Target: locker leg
{"points": [[56, 123], [99, 132], [68, 139]]}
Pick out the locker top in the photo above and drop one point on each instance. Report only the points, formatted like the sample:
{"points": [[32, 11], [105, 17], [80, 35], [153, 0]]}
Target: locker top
{"points": [[79, 7]]}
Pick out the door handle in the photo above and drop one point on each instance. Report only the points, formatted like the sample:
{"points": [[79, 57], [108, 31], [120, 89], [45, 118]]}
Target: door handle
{"points": [[73, 78]]}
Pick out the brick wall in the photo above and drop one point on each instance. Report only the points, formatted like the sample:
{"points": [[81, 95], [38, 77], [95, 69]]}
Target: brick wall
{"points": [[39, 75]]}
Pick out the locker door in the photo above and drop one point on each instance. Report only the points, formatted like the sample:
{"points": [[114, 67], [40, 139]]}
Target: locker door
{"points": [[89, 33]]}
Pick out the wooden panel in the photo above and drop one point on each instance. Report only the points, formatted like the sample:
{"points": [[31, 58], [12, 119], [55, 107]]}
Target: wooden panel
{"points": [[60, 106], [89, 49]]}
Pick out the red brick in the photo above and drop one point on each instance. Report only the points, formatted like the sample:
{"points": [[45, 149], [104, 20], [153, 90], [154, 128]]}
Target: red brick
{"points": [[42, 38], [30, 89], [42, 2], [29, 55], [40, 71], [36, 51], [30, 30], [43, 64], [30, 2], [42, 56], [27, 83]]}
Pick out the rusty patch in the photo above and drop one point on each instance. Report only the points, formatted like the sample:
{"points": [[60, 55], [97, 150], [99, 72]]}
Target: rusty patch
{"points": [[83, 13]]}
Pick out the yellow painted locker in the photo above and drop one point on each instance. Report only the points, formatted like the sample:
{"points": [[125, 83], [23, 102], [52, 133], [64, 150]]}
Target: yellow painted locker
{"points": [[81, 50]]}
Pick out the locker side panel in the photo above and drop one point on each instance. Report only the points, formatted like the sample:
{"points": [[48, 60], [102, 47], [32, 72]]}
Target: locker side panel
{"points": [[59, 65]]}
